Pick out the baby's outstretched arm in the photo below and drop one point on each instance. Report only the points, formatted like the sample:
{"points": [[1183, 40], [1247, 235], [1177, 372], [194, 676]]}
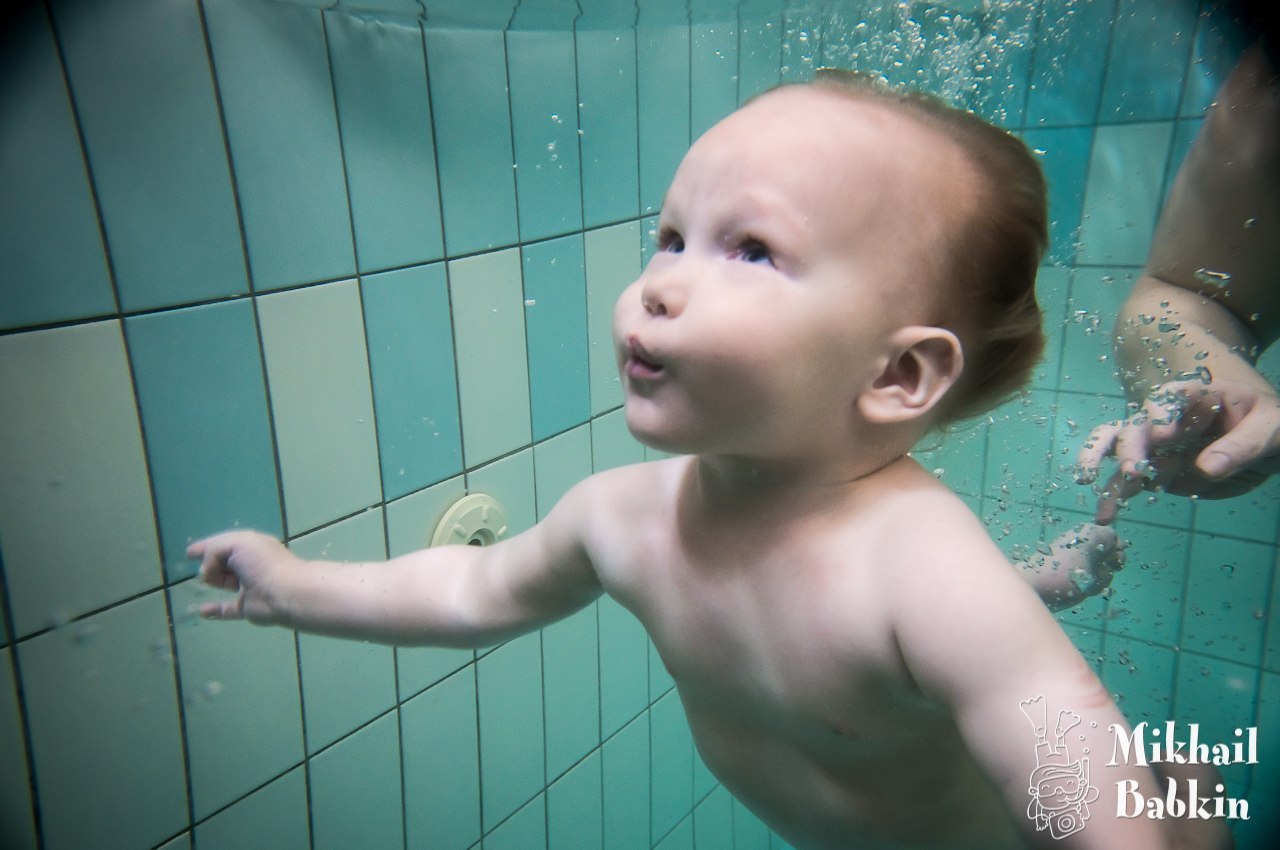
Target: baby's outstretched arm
{"points": [[446, 596]]}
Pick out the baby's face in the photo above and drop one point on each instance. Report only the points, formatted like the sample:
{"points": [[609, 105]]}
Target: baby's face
{"points": [[797, 235]]}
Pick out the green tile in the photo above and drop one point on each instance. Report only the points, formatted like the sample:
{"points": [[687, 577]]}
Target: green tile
{"points": [[663, 103], [524, 830], [609, 123], [274, 816], [1019, 439], [1227, 582], [442, 765], [571, 688], [468, 73], [1122, 194], [16, 823], [1070, 59], [387, 143], [626, 786], [574, 808], [356, 798], [345, 683], [624, 666], [187, 363], [273, 78], [493, 373], [671, 748], [713, 821], [1140, 676], [76, 521], [415, 389], [512, 753], [318, 372], [145, 100], [957, 456], [1150, 46], [759, 53], [679, 838], [1146, 596], [511, 482], [560, 463], [1221, 696], [544, 113], [1088, 365], [613, 263], [612, 444], [55, 266], [102, 706], [239, 682], [749, 832], [1065, 162]]}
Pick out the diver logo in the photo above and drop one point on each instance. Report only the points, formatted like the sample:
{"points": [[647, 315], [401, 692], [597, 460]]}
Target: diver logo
{"points": [[1059, 787]]}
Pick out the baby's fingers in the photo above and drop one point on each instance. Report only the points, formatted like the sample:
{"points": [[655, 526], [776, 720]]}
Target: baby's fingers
{"points": [[1098, 446], [232, 609]]}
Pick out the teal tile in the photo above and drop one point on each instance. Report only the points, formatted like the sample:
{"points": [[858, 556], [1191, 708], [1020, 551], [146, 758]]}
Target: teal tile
{"points": [[55, 265], [102, 706], [609, 122], [1140, 677], [1065, 161], [277, 99], [1221, 696], [1088, 365], [560, 463], [957, 456], [544, 121], [1070, 60], [318, 371], [493, 372], [468, 73], [613, 263], [624, 666], [713, 73], [759, 53], [16, 823], [1019, 440], [1184, 135], [663, 106], [1150, 43], [356, 798], [1053, 290], [77, 528], [575, 809], [387, 145], [545, 15], [415, 388], [145, 100], [239, 682], [1122, 194], [1226, 583], [671, 749], [555, 292], [274, 816], [410, 523], [512, 752], [626, 785], [442, 765], [1146, 597], [492, 15], [524, 830], [203, 402], [571, 689], [1251, 516], [345, 683], [612, 444], [749, 832], [713, 821], [1217, 46]]}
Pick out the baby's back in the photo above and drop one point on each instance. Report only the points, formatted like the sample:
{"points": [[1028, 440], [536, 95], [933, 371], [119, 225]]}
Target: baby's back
{"points": [[777, 627]]}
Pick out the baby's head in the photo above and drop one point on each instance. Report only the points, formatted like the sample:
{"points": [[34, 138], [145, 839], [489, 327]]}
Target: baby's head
{"points": [[990, 250], [831, 257]]}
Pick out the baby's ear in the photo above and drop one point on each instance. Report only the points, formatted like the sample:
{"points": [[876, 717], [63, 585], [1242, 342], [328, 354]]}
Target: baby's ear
{"points": [[924, 362]]}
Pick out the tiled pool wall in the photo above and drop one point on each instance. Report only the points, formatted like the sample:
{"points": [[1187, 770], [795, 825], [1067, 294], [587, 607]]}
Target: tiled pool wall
{"points": [[321, 271]]}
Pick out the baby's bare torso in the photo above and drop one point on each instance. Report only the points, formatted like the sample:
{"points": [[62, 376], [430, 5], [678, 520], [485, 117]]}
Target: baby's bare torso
{"points": [[780, 640]]}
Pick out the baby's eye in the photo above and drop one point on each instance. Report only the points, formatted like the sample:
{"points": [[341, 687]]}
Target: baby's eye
{"points": [[669, 240], [755, 251]]}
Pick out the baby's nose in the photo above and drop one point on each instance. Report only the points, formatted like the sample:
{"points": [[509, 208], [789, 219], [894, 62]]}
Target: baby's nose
{"points": [[663, 293]]}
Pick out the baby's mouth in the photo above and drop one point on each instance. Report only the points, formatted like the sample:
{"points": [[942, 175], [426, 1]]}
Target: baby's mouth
{"points": [[640, 364]]}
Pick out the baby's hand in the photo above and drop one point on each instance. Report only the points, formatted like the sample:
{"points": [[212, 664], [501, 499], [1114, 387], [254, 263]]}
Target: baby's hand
{"points": [[249, 563], [1075, 566], [1213, 440]]}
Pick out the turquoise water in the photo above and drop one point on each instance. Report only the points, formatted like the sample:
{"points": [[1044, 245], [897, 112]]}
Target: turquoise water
{"points": [[320, 269]]}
